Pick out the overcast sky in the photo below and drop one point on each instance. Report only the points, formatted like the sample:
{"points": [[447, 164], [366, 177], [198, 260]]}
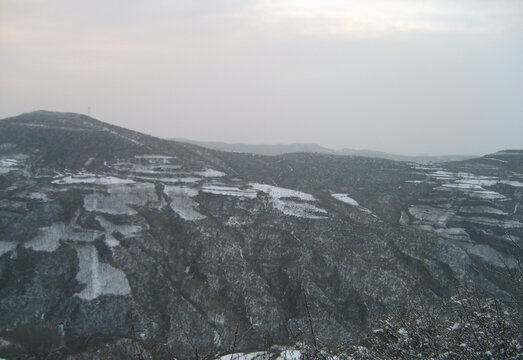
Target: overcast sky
{"points": [[409, 77]]}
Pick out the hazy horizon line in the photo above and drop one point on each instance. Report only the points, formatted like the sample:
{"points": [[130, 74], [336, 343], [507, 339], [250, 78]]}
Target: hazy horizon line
{"points": [[246, 143]]}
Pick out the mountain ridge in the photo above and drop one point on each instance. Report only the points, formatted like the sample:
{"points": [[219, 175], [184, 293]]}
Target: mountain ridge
{"points": [[281, 149]]}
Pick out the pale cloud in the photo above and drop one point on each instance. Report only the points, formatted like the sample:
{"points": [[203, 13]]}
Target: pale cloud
{"points": [[334, 24], [378, 18]]}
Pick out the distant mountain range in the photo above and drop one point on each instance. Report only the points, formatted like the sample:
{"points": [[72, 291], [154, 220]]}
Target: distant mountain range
{"points": [[280, 149]]}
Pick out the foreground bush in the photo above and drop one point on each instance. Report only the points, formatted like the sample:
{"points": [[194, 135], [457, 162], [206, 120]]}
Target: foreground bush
{"points": [[463, 328]]}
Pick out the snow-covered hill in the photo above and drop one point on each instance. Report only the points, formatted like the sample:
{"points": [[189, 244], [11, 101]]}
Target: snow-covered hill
{"points": [[107, 234]]}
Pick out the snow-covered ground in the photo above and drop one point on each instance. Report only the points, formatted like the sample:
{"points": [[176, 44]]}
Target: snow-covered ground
{"points": [[87, 178], [471, 184], [291, 202], [164, 159], [481, 210], [123, 193], [280, 193], [297, 209], [345, 198], [38, 196], [100, 278], [7, 164], [288, 354], [119, 200], [229, 191], [210, 173], [431, 214], [181, 202], [282, 354], [512, 183], [463, 197], [6, 246]]}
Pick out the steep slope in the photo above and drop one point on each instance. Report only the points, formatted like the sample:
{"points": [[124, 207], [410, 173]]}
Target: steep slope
{"points": [[107, 234]]}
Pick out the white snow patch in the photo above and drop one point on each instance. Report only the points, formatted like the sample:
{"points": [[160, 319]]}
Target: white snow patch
{"points": [[89, 161], [290, 355], [244, 356], [149, 166], [494, 222], [279, 192], [235, 221], [459, 233], [463, 186], [512, 183], [188, 179], [494, 159], [404, 218], [472, 191], [346, 199], [481, 209], [8, 162], [48, 238], [146, 170], [478, 182], [92, 179], [455, 327], [469, 176], [111, 241], [486, 195], [421, 167], [303, 210], [209, 173], [100, 278], [6, 246], [350, 201], [472, 184], [180, 190], [7, 165], [443, 175], [280, 200], [125, 229], [217, 339], [170, 180], [120, 199], [38, 196], [229, 191], [433, 215], [181, 202], [163, 158], [463, 180]]}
